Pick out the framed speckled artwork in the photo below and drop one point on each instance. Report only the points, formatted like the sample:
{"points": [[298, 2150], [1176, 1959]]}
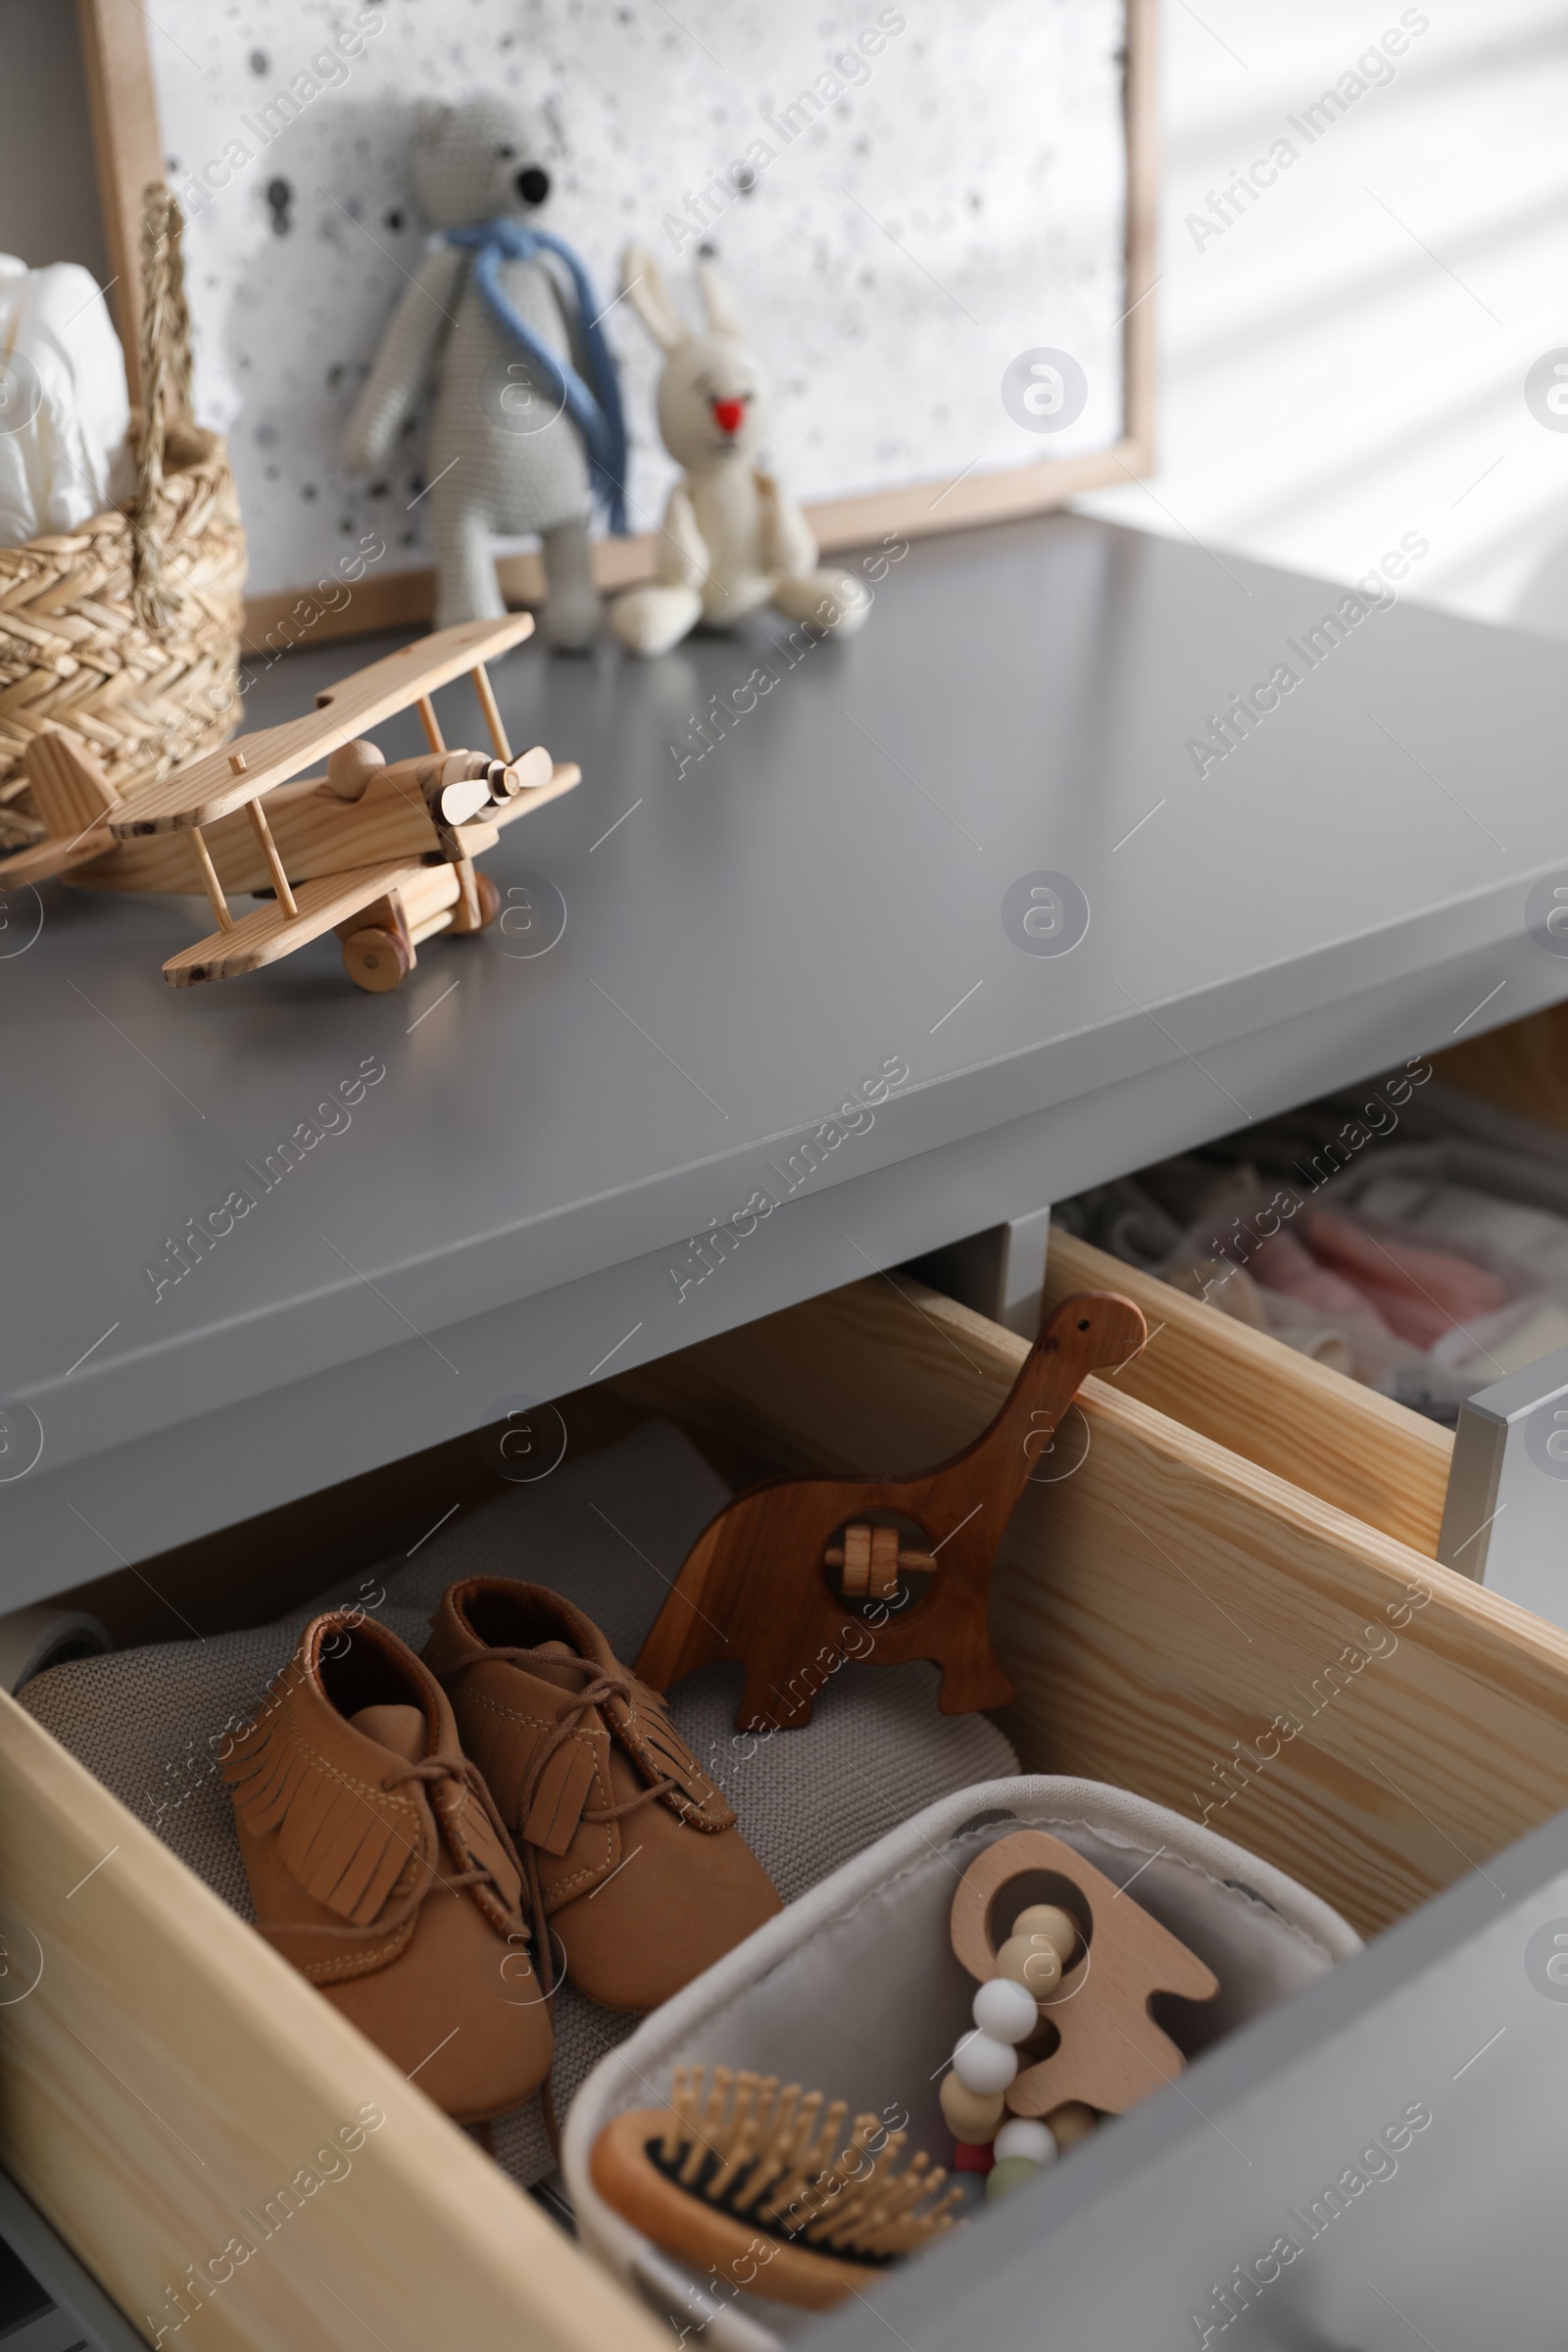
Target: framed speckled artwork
{"points": [[937, 219]]}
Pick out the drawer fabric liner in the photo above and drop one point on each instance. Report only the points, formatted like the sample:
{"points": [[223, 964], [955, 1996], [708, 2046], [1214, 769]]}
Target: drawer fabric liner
{"points": [[610, 1531]]}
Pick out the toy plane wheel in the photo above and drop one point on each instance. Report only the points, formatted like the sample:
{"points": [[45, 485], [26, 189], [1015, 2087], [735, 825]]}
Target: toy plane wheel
{"points": [[376, 961], [489, 901]]}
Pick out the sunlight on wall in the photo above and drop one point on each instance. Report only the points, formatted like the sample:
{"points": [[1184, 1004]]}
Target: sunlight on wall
{"points": [[1344, 352]]}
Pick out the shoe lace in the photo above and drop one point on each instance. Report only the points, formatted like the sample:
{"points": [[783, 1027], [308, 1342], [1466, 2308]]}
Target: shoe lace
{"points": [[432, 1770], [429, 1772], [608, 1682]]}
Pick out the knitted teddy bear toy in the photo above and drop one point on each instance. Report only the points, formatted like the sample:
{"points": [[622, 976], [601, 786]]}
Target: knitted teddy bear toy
{"points": [[527, 428], [733, 539]]}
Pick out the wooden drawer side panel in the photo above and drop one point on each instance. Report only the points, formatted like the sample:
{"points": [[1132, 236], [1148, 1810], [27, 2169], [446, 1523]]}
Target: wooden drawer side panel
{"points": [[1522, 1068], [1353, 1448], [1186, 1625], [882, 1377], [172, 2093]]}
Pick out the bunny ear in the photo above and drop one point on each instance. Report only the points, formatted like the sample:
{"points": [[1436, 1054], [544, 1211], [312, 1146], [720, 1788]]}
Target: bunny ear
{"points": [[643, 285], [723, 318]]}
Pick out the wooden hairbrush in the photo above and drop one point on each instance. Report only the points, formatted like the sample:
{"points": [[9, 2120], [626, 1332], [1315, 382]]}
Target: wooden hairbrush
{"points": [[745, 2180]]}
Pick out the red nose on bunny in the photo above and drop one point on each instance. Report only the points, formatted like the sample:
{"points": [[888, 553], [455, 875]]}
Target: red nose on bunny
{"points": [[728, 414]]}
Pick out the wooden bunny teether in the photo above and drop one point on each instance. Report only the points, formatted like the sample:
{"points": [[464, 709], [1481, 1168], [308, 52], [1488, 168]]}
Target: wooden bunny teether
{"points": [[766, 1584], [1110, 2053]]}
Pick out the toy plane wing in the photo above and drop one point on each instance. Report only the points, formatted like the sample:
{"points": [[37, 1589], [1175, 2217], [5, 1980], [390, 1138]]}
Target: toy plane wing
{"points": [[46, 859], [270, 933], [223, 781]]}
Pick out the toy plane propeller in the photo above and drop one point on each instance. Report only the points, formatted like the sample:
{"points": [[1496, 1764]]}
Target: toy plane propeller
{"points": [[380, 854]]}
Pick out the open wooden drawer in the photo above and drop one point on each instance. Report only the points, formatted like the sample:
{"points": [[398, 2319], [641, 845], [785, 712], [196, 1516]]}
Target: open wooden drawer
{"points": [[1341, 1442], [163, 2074]]}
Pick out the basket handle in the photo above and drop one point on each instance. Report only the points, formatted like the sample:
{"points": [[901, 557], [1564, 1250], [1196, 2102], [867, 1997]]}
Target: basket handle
{"points": [[165, 366]]}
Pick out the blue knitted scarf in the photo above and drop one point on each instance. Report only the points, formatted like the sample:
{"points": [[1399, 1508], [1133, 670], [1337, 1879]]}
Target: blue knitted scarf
{"points": [[596, 412]]}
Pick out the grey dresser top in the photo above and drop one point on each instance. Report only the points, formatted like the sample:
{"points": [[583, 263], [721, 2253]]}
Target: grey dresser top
{"points": [[750, 936]]}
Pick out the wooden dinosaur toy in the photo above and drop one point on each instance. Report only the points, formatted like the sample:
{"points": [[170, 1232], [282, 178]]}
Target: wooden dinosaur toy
{"points": [[800, 1574]]}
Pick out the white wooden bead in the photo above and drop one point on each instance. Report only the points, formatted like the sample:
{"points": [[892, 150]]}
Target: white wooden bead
{"points": [[984, 2065], [1007, 2010], [1024, 2136]]}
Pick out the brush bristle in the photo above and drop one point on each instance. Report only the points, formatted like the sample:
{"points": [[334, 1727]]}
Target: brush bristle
{"points": [[767, 2155]]}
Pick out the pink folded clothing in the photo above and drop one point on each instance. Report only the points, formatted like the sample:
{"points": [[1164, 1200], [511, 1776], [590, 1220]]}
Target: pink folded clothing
{"points": [[1421, 1292], [1282, 1263]]}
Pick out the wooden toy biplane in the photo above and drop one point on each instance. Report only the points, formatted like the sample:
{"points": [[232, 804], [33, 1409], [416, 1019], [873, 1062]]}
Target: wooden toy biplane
{"points": [[380, 854]]}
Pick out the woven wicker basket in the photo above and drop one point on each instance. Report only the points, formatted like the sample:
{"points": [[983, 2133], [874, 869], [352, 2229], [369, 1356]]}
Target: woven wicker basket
{"points": [[127, 630]]}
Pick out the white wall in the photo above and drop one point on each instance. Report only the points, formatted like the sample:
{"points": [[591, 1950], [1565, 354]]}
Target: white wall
{"points": [[1344, 364]]}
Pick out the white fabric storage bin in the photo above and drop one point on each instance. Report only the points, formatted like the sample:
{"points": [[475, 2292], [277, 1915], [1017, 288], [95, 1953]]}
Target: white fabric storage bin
{"points": [[855, 1990]]}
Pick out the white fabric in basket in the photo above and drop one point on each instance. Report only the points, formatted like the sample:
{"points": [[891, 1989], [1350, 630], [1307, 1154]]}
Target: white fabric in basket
{"points": [[64, 410], [856, 1991]]}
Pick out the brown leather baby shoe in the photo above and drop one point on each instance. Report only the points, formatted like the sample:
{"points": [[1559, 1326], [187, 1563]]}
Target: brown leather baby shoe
{"points": [[643, 1875], [380, 1869]]}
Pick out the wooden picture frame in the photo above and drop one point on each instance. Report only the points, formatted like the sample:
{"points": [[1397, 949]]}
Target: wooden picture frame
{"points": [[117, 58]]}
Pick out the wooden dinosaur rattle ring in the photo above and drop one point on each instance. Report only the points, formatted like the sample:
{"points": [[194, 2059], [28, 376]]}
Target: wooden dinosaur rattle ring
{"points": [[759, 1587], [1090, 1958]]}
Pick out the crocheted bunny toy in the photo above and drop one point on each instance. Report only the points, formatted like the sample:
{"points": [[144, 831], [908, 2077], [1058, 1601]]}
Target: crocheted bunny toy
{"points": [[733, 539], [527, 428]]}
